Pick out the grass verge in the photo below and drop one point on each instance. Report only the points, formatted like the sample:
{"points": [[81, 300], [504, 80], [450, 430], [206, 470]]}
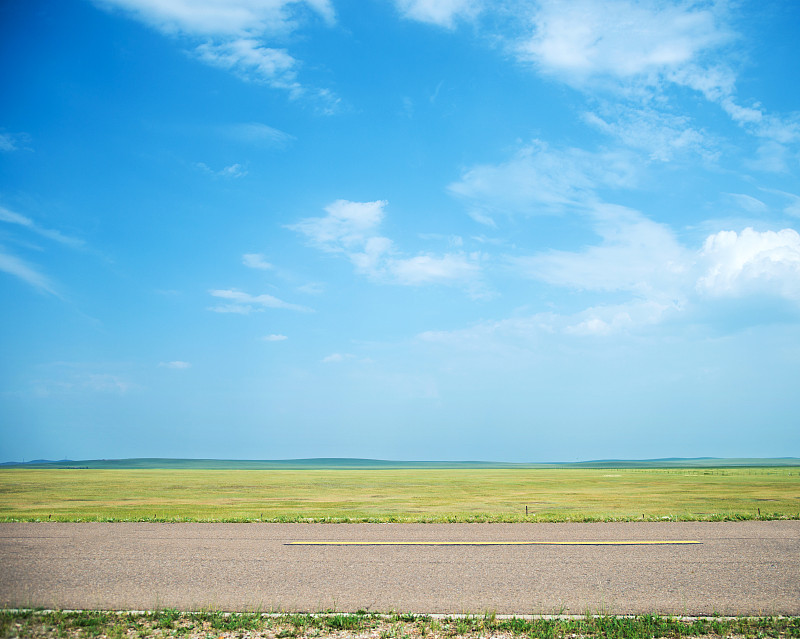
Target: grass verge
{"points": [[208, 624]]}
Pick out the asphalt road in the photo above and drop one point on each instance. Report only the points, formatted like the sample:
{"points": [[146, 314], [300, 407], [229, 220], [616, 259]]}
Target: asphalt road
{"points": [[739, 568]]}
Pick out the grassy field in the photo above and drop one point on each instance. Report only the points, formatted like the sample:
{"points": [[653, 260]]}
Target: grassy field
{"points": [[202, 625], [494, 494]]}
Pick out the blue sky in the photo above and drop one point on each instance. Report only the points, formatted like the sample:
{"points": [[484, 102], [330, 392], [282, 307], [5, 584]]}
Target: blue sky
{"points": [[522, 230]]}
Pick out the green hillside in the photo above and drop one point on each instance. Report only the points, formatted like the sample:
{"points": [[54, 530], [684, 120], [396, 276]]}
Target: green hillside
{"points": [[327, 463]]}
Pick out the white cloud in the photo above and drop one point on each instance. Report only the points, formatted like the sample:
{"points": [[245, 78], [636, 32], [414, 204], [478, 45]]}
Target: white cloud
{"points": [[718, 85], [351, 229], [252, 61], [244, 303], [274, 338], [663, 279], [583, 39], [636, 255], [335, 358], [238, 33], [715, 82], [531, 330], [440, 12], [219, 17], [751, 262], [371, 260], [661, 135], [539, 180], [11, 217], [16, 267], [346, 225], [635, 48], [643, 258], [424, 269], [256, 261], [619, 318], [783, 130], [176, 365]]}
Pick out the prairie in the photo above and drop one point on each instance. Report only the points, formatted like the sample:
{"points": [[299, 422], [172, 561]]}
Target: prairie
{"points": [[399, 494]]}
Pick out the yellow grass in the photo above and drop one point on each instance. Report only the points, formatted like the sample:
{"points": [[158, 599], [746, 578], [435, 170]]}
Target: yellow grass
{"points": [[399, 495]]}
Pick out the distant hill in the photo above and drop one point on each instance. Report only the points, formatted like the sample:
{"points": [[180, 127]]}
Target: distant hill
{"points": [[378, 464]]}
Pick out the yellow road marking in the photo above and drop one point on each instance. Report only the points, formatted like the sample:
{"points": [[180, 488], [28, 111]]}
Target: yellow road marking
{"points": [[492, 543]]}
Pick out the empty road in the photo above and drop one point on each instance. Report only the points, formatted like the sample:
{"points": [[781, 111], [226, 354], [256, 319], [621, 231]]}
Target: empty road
{"points": [[737, 568]]}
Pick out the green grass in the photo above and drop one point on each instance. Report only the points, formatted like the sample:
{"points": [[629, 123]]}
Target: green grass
{"points": [[400, 626], [415, 494]]}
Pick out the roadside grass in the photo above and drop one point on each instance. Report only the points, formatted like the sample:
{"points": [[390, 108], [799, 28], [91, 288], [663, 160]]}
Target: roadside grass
{"points": [[400, 495], [216, 624]]}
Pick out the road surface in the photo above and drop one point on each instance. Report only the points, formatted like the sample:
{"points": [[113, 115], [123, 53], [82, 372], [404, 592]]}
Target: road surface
{"points": [[738, 568]]}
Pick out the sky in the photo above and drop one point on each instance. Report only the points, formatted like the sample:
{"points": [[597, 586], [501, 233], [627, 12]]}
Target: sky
{"points": [[511, 230]]}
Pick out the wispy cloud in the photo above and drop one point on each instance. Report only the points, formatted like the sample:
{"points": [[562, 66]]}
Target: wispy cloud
{"points": [[274, 338], [440, 12], [352, 229], [540, 180], [635, 50], [231, 171], [748, 202], [28, 274], [252, 61], [792, 201], [346, 225], [257, 261], [80, 378], [221, 17], [335, 358], [7, 142], [244, 303], [10, 217], [18, 267], [13, 141], [238, 35], [424, 269], [176, 365], [635, 255], [662, 136], [258, 134]]}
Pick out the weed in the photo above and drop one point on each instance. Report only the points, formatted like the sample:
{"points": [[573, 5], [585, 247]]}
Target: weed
{"points": [[344, 622], [462, 627], [213, 624]]}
